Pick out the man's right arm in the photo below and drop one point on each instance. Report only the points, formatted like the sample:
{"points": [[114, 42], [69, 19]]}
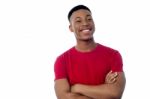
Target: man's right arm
{"points": [[62, 90]]}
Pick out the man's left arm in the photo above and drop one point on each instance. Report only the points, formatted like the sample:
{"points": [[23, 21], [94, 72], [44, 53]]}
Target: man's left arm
{"points": [[103, 91]]}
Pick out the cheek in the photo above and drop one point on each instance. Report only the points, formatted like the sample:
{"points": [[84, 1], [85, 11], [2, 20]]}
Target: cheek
{"points": [[76, 28]]}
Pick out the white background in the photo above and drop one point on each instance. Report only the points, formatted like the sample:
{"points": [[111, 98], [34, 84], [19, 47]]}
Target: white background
{"points": [[34, 32]]}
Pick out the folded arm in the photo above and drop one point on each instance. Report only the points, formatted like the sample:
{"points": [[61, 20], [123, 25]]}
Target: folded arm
{"points": [[103, 91], [62, 90]]}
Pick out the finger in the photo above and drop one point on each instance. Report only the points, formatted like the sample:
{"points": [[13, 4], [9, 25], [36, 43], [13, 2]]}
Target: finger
{"points": [[108, 74], [115, 74], [111, 77], [113, 80], [107, 78]]}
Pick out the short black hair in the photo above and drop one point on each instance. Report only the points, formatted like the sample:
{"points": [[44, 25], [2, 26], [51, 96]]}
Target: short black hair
{"points": [[78, 7]]}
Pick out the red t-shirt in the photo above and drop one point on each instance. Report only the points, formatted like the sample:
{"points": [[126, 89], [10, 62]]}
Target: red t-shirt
{"points": [[87, 67]]}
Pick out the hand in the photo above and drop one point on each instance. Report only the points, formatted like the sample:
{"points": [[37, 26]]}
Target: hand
{"points": [[111, 77]]}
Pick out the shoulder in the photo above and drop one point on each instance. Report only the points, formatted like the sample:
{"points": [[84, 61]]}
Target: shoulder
{"points": [[106, 48], [61, 59], [66, 53], [108, 51]]}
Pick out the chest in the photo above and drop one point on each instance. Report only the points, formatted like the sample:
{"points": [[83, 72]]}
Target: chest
{"points": [[90, 69]]}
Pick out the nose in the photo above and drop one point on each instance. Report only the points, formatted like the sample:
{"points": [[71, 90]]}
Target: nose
{"points": [[85, 22]]}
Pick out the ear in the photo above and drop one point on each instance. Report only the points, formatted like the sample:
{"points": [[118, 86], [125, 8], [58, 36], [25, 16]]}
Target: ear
{"points": [[70, 28]]}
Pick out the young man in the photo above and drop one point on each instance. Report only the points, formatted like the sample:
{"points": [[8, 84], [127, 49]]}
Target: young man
{"points": [[88, 70]]}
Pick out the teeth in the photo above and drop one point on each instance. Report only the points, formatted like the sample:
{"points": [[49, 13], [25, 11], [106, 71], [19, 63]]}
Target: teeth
{"points": [[86, 30]]}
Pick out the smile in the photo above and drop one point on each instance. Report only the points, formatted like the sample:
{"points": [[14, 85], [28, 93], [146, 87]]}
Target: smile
{"points": [[87, 30]]}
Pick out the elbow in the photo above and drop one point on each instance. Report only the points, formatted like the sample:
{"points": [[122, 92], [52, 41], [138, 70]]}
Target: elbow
{"points": [[116, 95]]}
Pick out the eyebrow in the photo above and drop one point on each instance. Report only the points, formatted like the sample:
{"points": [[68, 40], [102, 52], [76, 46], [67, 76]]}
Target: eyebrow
{"points": [[88, 15], [77, 17]]}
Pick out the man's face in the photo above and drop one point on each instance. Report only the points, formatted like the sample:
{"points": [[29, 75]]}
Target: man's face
{"points": [[82, 24]]}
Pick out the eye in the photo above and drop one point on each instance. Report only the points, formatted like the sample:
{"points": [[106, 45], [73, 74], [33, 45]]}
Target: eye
{"points": [[89, 19], [78, 21]]}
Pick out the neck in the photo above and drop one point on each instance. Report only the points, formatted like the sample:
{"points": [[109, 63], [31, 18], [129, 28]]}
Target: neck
{"points": [[85, 46]]}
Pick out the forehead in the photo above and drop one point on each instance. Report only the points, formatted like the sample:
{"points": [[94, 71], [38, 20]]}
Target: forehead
{"points": [[80, 13]]}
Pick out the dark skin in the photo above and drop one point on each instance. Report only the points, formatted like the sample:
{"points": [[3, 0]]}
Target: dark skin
{"points": [[83, 27], [65, 91]]}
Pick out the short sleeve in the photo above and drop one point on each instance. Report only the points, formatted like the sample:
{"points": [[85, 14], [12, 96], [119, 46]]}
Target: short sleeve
{"points": [[116, 62], [59, 68]]}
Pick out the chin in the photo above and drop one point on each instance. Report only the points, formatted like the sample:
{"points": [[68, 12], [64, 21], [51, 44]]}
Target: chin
{"points": [[87, 39]]}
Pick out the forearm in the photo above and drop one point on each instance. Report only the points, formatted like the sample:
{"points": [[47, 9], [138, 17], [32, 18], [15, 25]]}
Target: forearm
{"points": [[70, 95], [105, 91], [63, 91]]}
